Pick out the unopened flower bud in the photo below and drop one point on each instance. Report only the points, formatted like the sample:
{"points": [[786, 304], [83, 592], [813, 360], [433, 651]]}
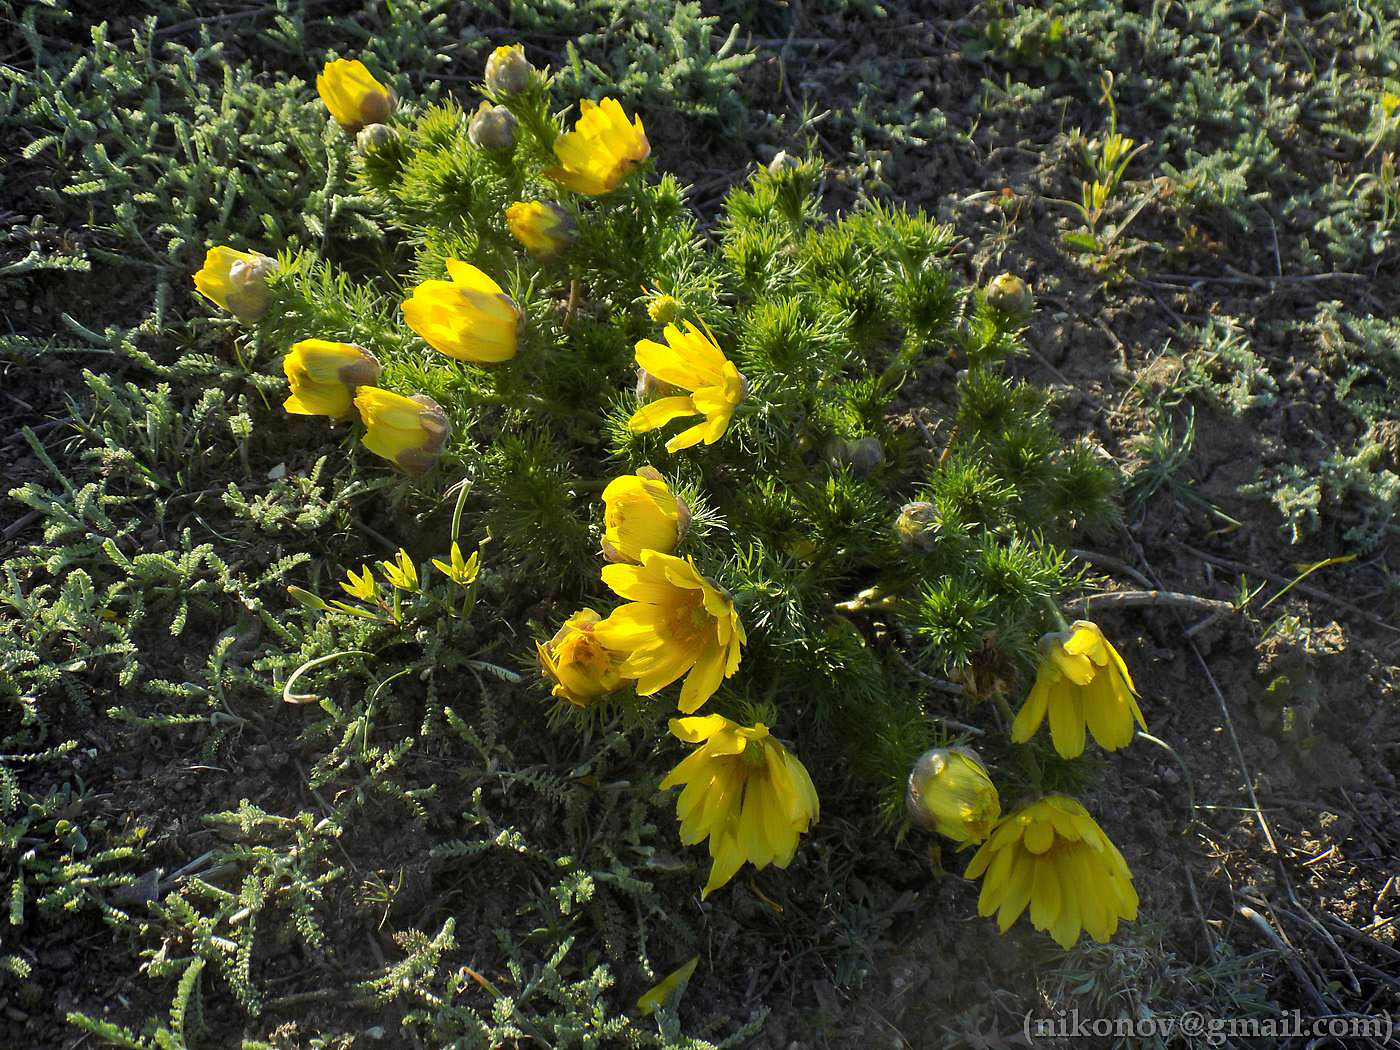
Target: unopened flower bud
{"points": [[352, 95], [917, 526], [951, 793], [640, 514], [374, 138], [1009, 294], [492, 127], [862, 455], [508, 71], [545, 229], [236, 281], [407, 431], [782, 163]]}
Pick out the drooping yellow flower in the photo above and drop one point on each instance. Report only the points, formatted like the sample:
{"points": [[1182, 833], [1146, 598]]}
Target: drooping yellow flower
{"points": [[1053, 856], [1082, 681], [676, 623], [581, 667], [601, 151], [460, 571], [236, 281], [324, 376], [744, 791], [546, 230], [689, 360], [641, 513], [951, 793], [401, 572], [468, 317], [408, 431], [363, 587], [352, 95]]}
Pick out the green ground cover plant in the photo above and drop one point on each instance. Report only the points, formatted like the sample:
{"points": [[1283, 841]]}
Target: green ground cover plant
{"points": [[245, 805]]}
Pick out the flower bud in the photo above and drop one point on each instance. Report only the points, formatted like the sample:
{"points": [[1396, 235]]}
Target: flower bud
{"points": [[862, 455], [782, 163], [374, 138], [352, 95], [508, 71], [236, 281], [492, 127], [1009, 294], [408, 431], [641, 513], [951, 793], [917, 526], [324, 376], [545, 229]]}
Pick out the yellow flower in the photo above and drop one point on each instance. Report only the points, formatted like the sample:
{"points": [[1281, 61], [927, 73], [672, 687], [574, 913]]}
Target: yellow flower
{"points": [[1053, 856], [508, 70], [745, 791], [353, 96], [676, 623], [324, 376], [236, 281], [640, 513], [461, 572], [663, 308], [581, 667], [951, 793], [363, 586], [545, 229], [1081, 681], [468, 317], [407, 431], [692, 361], [401, 572], [601, 151]]}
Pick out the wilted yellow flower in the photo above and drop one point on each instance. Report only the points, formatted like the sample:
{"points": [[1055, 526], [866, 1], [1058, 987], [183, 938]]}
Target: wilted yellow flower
{"points": [[352, 95], [492, 127], [461, 571], [1053, 856], [640, 513], [236, 281], [744, 791], [545, 229], [601, 151], [401, 572], [676, 623], [468, 317], [581, 667], [508, 70], [363, 587], [951, 793], [1081, 681], [324, 376], [407, 431], [689, 360]]}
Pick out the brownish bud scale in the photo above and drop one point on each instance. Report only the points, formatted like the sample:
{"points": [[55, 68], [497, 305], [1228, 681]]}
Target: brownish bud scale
{"points": [[492, 127], [782, 163], [374, 138], [508, 71]]}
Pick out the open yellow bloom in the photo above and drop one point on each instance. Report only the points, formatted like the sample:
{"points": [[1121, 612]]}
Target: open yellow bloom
{"points": [[408, 431], [1082, 681], [640, 513], [401, 572], [676, 623], [689, 360], [461, 571], [363, 587], [324, 376], [744, 791], [236, 281], [951, 793], [545, 229], [468, 317], [581, 667], [601, 151], [352, 95], [1053, 856]]}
